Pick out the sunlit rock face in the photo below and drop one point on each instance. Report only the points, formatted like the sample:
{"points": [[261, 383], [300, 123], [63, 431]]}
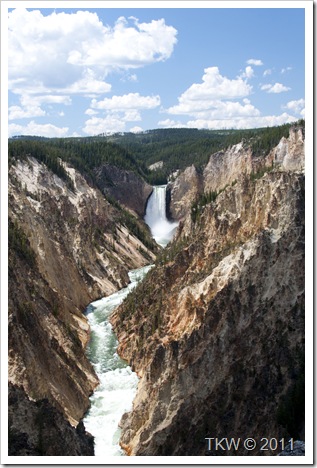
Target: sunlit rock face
{"points": [[227, 167], [183, 192], [217, 329]]}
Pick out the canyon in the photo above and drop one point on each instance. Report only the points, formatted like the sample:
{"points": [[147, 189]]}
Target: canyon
{"points": [[215, 331]]}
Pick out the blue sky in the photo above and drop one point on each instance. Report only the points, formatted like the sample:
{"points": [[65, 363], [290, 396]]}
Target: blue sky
{"points": [[86, 71]]}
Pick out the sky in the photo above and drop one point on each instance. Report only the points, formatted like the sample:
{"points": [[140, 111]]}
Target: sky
{"points": [[87, 71]]}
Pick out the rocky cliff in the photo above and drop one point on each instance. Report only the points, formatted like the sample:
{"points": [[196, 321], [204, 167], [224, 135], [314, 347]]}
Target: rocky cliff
{"points": [[67, 247], [37, 428], [216, 330], [226, 167], [125, 186]]}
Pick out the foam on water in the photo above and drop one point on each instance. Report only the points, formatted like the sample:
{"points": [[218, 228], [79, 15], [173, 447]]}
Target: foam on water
{"points": [[114, 396]]}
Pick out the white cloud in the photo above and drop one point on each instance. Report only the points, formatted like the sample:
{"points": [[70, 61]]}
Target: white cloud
{"points": [[241, 123], [73, 52], [127, 101], [17, 112], [248, 73], [209, 94], [136, 129], [27, 100], [91, 112], [168, 123], [296, 106], [31, 106], [284, 70], [109, 124], [32, 128], [118, 110], [255, 62], [276, 88], [267, 72]]}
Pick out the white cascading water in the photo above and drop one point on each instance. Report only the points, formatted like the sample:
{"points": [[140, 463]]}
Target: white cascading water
{"points": [[114, 396], [162, 230]]}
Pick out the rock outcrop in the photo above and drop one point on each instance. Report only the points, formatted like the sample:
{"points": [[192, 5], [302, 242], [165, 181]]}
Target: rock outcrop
{"points": [[36, 428], [67, 247], [216, 330], [125, 186], [183, 192], [227, 167]]}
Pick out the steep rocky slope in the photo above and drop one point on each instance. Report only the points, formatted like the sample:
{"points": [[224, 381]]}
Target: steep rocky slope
{"points": [[67, 247], [125, 186], [38, 429], [226, 167], [216, 331]]}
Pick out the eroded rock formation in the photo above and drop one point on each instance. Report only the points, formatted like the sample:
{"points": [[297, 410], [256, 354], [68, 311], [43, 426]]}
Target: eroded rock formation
{"points": [[125, 186], [227, 167], [37, 428]]}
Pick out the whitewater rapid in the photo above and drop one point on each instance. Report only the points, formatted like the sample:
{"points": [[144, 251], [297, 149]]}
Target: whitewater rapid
{"points": [[114, 396]]}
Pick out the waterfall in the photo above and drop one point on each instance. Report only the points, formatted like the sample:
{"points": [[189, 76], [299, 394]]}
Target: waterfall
{"points": [[155, 217]]}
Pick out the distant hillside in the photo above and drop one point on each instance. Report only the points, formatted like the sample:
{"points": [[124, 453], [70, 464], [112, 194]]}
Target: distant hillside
{"points": [[179, 148]]}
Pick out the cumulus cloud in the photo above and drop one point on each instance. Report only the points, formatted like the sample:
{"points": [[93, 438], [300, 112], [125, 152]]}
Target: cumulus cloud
{"points": [[216, 98], [241, 123], [296, 106], [118, 110], [32, 128], [267, 72], [90, 112], [17, 112], [255, 62], [136, 129], [109, 124], [276, 88], [58, 55], [127, 101], [248, 72], [74, 52], [211, 93]]}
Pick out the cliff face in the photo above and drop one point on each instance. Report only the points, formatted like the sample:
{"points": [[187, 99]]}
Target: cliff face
{"points": [[216, 331], [125, 186], [183, 191], [227, 167], [66, 248], [39, 429]]}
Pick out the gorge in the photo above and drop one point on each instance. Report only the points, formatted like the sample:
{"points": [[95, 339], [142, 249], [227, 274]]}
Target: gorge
{"points": [[214, 331], [118, 383]]}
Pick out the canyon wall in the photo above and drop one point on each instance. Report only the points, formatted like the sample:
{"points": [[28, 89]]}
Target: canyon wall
{"points": [[67, 247], [216, 330], [125, 186], [227, 167]]}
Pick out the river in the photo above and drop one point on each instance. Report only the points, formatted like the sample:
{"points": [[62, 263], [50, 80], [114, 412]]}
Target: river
{"points": [[114, 396]]}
